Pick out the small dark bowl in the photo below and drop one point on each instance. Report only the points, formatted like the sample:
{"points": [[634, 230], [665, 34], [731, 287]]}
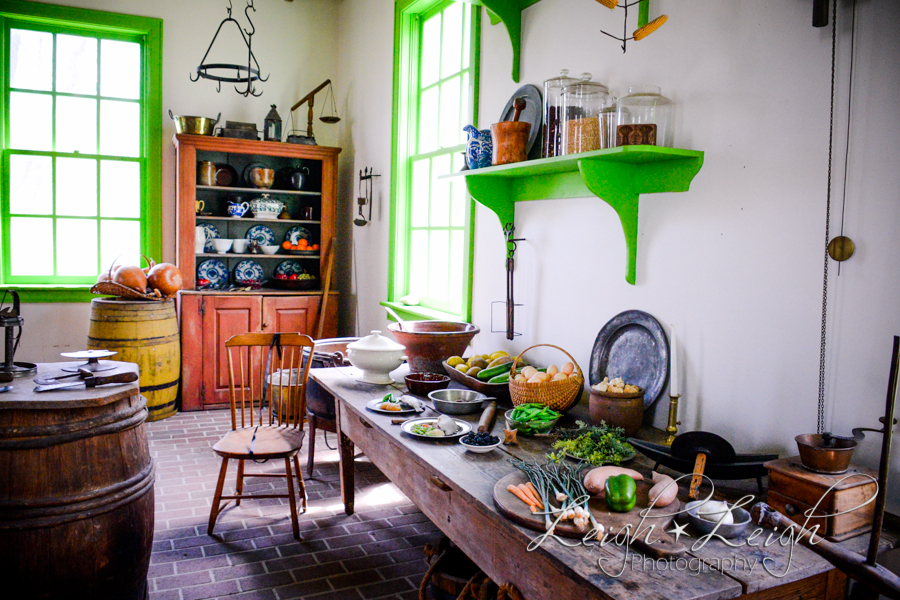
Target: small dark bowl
{"points": [[420, 384]]}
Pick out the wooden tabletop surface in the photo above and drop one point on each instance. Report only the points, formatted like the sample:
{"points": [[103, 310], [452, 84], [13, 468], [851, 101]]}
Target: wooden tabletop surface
{"points": [[716, 571], [23, 395]]}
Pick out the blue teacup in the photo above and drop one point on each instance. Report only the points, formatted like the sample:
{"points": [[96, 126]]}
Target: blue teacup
{"points": [[237, 210]]}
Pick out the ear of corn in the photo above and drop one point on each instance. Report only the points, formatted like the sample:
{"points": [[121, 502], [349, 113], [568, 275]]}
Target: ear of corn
{"points": [[649, 27], [610, 4]]}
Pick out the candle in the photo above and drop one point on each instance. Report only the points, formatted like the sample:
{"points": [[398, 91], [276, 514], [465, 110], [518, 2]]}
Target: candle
{"points": [[673, 349]]}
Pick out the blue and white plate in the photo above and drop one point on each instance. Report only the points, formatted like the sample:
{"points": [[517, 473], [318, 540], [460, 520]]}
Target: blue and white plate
{"points": [[212, 233], [262, 234], [295, 234], [289, 267], [214, 270], [248, 270]]}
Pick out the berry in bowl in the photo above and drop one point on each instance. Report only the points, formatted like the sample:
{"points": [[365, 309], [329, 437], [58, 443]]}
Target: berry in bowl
{"points": [[479, 443]]}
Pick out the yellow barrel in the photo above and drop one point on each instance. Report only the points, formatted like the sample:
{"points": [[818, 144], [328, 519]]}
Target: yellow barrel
{"points": [[145, 333]]}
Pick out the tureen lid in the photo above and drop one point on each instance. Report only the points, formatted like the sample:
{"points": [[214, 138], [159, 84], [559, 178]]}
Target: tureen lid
{"points": [[375, 341]]}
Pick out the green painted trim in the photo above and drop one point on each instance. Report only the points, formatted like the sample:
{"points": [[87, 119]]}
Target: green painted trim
{"points": [[145, 30], [508, 12], [421, 313], [616, 175], [42, 294]]}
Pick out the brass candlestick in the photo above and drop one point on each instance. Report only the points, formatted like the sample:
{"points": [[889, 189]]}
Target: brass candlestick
{"points": [[672, 427]]}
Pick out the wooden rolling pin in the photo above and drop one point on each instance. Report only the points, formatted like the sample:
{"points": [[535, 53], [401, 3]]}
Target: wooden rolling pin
{"points": [[486, 422]]}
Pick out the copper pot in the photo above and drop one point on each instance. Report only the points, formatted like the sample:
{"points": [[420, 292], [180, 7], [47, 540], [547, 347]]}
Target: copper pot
{"points": [[829, 460], [619, 410], [194, 125]]}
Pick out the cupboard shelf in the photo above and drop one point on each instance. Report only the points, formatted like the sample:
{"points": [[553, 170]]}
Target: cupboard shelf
{"points": [[280, 256], [617, 176], [252, 220], [224, 188]]}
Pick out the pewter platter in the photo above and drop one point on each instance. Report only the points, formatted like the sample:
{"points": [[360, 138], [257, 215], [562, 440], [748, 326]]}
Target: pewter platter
{"points": [[633, 346]]}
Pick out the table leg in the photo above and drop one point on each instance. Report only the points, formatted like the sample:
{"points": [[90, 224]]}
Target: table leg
{"points": [[346, 451]]}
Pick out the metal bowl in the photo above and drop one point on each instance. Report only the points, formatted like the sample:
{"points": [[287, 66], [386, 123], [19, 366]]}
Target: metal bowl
{"points": [[741, 520], [819, 458], [456, 401], [194, 125]]}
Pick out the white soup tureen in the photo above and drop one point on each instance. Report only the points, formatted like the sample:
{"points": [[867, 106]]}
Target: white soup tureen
{"points": [[376, 355]]}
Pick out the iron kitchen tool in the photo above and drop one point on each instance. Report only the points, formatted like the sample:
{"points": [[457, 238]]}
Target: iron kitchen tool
{"points": [[91, 381], [9, 320], [54, 379], [741, 466], [702, 446], [331, 119], [93, 364], [365, 195]]}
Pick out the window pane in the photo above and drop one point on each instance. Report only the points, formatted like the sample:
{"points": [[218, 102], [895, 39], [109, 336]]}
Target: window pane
{"points": [[76, 247], [420, 194], [120, 189], [431, 51], [76, 125], [457, 254], [31, 246], [459, 199], [30, 59], [451, 47], [467, 38], [76, 187], [418, 263], [438, 263], [450, 127], [76, 64], [30, 185], [440, 192], [120, 238], [120, 69], [120, 128], [428, 121], [30, 121], [464, 113]]}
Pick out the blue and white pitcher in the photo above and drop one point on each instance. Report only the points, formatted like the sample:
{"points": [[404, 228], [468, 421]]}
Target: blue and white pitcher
{"points": [[478, 147]]}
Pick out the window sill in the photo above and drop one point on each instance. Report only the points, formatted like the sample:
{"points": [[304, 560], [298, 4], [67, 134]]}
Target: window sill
{"points": [[30, 294], [419, 313]]}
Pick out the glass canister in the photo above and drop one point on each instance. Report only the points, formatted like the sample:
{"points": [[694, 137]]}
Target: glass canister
{"points": [[552, 142], [644, 105], [583, 102]]}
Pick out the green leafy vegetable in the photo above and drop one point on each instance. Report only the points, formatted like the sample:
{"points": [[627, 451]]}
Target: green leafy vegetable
{"points": [[596, 445]]}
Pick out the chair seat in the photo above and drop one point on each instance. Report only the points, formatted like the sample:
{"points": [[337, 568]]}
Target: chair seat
{"points": [[272, 441]]}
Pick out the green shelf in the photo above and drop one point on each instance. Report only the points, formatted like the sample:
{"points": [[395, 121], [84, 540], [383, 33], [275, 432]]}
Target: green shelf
{"points": [[617, 176], [508, 12]]}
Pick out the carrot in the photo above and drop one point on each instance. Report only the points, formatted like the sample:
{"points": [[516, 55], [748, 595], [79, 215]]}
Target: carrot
{"points": [[534, 492], [534, 497], [521, 495]]}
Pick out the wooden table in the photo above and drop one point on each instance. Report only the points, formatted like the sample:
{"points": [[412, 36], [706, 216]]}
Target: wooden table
{"points": [[453, 488]]}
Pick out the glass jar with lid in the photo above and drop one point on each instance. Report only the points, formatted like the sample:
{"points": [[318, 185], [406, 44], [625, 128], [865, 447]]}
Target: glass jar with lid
{"points": [[583, 102], [644, 105], [552, 137]]}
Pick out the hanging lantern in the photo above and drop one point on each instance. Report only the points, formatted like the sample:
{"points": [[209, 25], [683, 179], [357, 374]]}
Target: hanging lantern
{"points": [[272, 126]]}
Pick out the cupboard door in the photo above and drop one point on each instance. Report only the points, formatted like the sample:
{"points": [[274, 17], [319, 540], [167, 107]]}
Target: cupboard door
{"points": [[224, 317], [290, 314]]}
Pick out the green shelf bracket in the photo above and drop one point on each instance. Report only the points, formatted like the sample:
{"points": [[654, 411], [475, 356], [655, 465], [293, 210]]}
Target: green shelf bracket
{"points": [[508, 12], [618, 176]]}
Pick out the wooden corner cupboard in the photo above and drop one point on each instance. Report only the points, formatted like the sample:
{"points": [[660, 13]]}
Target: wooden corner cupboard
{"points": [[210, 315]]}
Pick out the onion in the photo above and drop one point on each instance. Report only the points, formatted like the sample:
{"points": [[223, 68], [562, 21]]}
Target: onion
{"points": [[166, 278], [104, 277], [131, 276]]}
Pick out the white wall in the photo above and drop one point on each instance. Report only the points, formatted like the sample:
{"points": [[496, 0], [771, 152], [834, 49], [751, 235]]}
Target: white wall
{"points": [[735, 263], [295, 45]]}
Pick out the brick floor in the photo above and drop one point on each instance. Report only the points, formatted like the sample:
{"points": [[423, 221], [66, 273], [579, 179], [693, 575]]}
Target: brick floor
{"points": [[375, 553]]}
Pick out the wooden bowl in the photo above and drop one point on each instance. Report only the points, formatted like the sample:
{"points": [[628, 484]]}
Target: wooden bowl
{"points": [[419, 384], [500, 391]]}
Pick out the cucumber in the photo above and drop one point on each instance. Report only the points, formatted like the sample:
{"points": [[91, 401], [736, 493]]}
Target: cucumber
{"points": [[501, 378], [487, 374]]}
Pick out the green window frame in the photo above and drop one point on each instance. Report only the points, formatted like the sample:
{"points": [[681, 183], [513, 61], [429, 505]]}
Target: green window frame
{"points": [[60, 21], [432, 222]]}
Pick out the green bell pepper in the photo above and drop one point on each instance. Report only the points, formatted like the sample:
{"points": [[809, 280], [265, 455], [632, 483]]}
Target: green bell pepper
{"points": [[621, 493]]}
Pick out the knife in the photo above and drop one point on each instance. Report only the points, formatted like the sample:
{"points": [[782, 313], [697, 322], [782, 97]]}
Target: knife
{"points": [[53, 380], [90, 382]]}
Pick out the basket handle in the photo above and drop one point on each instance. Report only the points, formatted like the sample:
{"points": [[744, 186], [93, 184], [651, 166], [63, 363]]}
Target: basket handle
{"points": [[512, 372], [150, 262]]}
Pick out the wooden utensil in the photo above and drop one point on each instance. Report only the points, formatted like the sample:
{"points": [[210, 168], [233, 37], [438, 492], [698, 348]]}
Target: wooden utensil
{"points": [[324, 304], [702, 447], [486, 422], [520, 106], [510, 138]]}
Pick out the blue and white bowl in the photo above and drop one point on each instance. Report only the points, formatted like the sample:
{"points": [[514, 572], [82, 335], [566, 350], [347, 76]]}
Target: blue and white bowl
{"points": [[261, 234], [213, 270], [295, 234], [248, 270], [289, 267], [212, 233]]}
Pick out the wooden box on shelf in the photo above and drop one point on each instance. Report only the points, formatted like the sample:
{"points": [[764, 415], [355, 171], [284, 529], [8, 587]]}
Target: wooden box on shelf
{"points": [[211, 316]]}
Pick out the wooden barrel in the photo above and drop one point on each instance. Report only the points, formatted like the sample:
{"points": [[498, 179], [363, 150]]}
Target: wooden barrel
{"points": [[76, 492], [145, 333]]}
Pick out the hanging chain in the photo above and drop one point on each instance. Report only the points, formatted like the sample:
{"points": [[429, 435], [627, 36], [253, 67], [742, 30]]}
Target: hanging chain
{"points": [[821, 414]]}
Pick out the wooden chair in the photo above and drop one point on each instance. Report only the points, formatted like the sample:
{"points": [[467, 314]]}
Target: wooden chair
{"points": [[268, 403]]}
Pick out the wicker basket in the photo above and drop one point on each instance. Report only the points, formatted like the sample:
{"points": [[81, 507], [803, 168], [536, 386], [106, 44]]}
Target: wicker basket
{"points": [[111, 288], [559, 395]]}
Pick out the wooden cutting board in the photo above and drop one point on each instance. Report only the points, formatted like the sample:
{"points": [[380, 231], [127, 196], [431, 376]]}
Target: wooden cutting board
{"points": [[663, 545]]}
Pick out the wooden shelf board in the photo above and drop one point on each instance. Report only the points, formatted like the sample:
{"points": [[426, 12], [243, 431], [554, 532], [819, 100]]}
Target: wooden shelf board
{"points": [[252, 220], [225, 188], [281, 256]]}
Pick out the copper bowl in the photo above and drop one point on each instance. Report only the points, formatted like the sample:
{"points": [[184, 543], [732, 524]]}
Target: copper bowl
{"points": [[819, 458], [420, 384], [429, 343], [262, 178]]}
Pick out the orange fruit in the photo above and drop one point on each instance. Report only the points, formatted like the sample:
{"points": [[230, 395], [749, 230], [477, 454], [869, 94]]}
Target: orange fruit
{"points": [[302, 243], [315, 246], [286, 245]]}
